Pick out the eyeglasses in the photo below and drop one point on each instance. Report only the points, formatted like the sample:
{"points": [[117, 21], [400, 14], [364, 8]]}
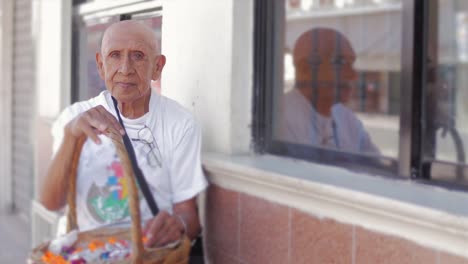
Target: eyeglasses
{"points": [[150, 149]]}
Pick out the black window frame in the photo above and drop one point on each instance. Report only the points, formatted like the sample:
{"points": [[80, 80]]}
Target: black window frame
{"points": [[411, 162]]}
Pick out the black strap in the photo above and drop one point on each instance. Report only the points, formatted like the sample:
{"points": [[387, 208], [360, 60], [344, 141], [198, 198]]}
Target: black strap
{"points": [[136, 169]]}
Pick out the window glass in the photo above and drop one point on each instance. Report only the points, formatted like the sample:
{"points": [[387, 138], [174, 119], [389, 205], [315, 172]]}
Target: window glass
{"points": [[341, 76], [446, 90], [89, 39]]}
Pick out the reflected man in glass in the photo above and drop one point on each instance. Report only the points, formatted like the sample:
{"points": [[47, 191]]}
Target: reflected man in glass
{"points": [[314, 112]]}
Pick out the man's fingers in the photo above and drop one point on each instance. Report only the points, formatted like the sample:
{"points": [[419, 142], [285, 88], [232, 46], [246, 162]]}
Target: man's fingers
{"points": [[161, 235], [147, 226], [96, 119], [158, 228], [90, 132], [154, 229], [110, 119], [170, 234]]}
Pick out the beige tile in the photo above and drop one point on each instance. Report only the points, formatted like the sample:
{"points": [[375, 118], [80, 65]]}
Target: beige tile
{"points": [[374, 248], [222, 225], [446, 258], [319, 241], [264, 231], [215, 256]]}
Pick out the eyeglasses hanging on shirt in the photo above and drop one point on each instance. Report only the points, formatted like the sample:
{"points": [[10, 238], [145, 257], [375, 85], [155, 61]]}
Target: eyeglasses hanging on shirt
{"points": [[150, 149]]}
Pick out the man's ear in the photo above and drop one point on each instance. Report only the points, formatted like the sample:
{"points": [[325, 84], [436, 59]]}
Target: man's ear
{"points": [[160, 61], [99, 65]]}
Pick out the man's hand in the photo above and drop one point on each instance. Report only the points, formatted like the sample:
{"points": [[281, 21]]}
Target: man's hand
{"points": [[92, 123], [163, 229]]}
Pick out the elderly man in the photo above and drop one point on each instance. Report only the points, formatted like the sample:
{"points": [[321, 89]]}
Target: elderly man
{"points": [[314, 112], [164, 135]]}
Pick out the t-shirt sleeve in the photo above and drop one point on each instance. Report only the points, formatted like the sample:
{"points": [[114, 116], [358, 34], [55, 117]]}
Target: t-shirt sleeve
{"points": [[187, 177]]}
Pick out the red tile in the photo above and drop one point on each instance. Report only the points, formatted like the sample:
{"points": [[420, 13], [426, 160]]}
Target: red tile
{"points": [[374, 248], [446, 258], [222, 225], [319, 241], [215, 256], [264, 231]]}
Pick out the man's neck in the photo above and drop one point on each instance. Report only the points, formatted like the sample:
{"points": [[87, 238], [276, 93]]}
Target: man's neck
{"points": [[137, 108]]}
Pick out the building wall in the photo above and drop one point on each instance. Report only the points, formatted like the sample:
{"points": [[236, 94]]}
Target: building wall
{"points": [[53, 23], [208, 45], [242, 228], [264, 213], [6, 46], [23, 107]]}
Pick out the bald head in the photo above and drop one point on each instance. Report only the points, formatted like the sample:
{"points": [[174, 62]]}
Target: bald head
{"points": [[129, 60], [325, 47], [130, 29]]}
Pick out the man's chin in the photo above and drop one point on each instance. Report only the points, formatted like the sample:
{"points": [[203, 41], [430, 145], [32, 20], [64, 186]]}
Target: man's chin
{"points": [[126, 96], [123, 96]]}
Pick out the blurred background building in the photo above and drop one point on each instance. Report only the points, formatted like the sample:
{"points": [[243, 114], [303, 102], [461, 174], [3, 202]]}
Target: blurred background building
{"points": [[231, 62]]}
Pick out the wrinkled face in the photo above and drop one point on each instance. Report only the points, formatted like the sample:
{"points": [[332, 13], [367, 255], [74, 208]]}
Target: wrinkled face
{"points": [[129, 61]]}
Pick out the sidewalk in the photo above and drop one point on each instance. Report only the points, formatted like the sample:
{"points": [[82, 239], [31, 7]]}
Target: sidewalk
{"points": [[15, 242]]}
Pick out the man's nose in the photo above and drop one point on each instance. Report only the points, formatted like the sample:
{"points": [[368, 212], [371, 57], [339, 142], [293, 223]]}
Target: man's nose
{"points": [[126, 65]]}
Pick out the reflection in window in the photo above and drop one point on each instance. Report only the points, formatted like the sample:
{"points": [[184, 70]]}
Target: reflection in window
{"points": [[446, 89], [307, 5], [341, 76], [90, 34]]}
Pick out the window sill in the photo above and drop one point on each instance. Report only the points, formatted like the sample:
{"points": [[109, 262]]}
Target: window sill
{"points": [[395, 207]]}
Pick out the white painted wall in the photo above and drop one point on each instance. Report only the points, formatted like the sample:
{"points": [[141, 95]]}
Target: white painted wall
{"points": [[53, 49], [208, 45], [52, 32], [242, 76]]}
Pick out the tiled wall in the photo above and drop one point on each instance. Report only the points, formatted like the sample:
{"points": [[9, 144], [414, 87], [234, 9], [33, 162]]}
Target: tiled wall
{"points": [[244, 229]]}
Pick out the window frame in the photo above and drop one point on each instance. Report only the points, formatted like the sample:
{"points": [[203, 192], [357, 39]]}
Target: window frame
{"points": [[410, 162]]}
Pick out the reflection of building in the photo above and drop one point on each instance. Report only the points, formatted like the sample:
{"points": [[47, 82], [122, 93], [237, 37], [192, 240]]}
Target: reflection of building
{"points": [[261, 208]]}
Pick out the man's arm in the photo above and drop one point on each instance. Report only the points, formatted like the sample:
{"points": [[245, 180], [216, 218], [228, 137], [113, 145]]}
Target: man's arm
{"points": [[165, 228], [188, 213], [89, 124], [55, 186]]}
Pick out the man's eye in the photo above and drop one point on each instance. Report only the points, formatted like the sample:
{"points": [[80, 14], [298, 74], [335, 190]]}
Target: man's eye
{"points": [[114, 55], [138, 55]]}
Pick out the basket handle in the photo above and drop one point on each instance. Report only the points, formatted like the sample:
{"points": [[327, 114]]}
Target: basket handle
{"points": [[114, 135]]}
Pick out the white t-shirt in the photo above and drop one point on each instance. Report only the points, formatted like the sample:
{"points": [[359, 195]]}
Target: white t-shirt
{"points": [[300, 123], [167, 145]]}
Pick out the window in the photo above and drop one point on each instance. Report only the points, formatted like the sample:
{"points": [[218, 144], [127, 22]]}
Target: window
{"points": [[342, 82], [88, 84], [446, 114]]}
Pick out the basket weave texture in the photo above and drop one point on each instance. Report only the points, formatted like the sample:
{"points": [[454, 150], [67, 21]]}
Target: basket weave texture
{"points": [[140, 255]]}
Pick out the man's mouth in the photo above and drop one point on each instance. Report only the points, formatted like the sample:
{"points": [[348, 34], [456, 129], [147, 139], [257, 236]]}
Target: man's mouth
{"points": [[125, 84]]}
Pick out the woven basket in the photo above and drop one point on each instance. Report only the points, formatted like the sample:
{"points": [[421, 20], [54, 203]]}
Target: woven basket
{"points": [[178, 254]]}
